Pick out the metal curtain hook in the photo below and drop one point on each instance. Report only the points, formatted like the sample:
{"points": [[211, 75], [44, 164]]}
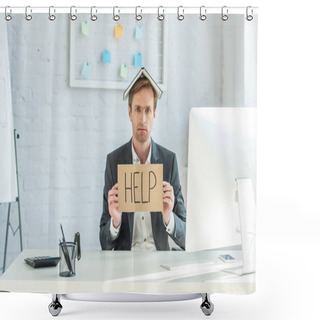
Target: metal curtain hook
{"points": [[93, 16], [138, 16], [203, 16], [52, 17], [73, 17], [180, 15], [116, 17], [249, 16], [160, 16], [28, 16], [8, 17], [224, 13]]}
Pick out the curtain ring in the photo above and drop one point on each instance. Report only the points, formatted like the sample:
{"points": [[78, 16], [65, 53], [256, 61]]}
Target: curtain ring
{"points": [[138, 16], [203, 16], [224, 13], [28, 16], [180, 15], [93, 16], [116, 17], [52, 17], [73, 17], [8, 17], [160, 16], [249, 17]]}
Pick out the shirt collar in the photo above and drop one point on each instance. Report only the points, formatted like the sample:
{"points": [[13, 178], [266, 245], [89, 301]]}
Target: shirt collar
{"points": [[135, 158]]}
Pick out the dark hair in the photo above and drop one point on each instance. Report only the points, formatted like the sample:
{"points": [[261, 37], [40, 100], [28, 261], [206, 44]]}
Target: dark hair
{"points": [[141, 84]]}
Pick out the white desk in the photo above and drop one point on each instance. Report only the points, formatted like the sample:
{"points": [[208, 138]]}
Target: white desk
{"points": [[125, 271], [129, 272]]}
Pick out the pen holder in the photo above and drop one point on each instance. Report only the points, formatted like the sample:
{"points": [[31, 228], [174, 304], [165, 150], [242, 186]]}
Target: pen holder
{"points": [[67, 253]]}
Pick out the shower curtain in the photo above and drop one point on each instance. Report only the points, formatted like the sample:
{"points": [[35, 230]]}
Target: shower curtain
{"points": [[68, 79]]}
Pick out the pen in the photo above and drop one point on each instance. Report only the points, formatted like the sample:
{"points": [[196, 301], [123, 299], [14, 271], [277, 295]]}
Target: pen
{"points": [[77, 241], [63, 238]]}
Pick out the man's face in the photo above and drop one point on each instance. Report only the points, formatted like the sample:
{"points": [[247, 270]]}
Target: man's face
{"points": [[142, 114]]}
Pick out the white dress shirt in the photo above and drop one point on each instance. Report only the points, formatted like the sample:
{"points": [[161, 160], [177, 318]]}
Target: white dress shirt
{"points": [[142, 238]]}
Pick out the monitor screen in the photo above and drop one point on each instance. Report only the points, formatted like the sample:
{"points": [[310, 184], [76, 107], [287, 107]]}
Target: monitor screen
{"points": [[222, 148]]}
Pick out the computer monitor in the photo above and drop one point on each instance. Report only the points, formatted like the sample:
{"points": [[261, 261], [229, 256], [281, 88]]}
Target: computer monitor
{"points": [[221, 180]]}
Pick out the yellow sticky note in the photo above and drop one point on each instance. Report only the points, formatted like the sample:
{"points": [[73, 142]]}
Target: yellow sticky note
{"points": [[118, 31], [85, 28]]}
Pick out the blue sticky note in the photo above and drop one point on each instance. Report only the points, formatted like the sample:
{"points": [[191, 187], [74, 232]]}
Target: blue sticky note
{"points": [[138, 32], [106, 56], [86, 70], [138, 60]]}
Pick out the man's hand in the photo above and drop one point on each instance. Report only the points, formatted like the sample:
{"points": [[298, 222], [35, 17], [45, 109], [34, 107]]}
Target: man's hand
{"points": [[168, 202], [113, 203]]}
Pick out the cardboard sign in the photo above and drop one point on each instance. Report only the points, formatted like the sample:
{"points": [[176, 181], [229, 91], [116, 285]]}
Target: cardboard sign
{"points": [[140, 187]]}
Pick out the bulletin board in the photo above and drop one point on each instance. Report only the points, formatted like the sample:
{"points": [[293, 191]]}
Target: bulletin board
{"points": [[117, 51]]}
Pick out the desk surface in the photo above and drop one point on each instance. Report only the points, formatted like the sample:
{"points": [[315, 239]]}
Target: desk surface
{"points": [[126, 271]]}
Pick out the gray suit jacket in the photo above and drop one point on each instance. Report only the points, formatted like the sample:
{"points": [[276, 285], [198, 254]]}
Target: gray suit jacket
{"points": [[123, 155]]}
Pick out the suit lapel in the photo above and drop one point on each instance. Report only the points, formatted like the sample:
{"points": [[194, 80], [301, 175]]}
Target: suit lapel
{"points": [[154, 152], [127, 153]]}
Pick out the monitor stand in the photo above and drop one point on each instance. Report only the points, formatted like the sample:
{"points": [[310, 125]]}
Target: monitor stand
{"points": [[247, 216]]}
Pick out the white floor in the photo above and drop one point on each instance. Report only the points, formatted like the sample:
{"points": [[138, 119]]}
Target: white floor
{"points": [[287, 288]]}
